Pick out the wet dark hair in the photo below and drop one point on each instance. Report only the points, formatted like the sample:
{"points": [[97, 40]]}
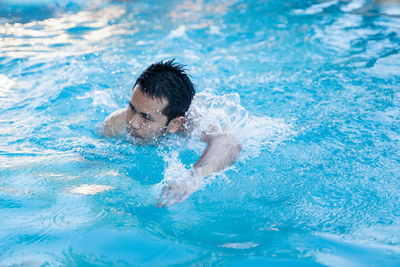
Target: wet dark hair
{"points": [[168, 80]]}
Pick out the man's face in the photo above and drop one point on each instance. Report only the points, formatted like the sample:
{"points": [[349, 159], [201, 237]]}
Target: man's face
{"points": [[144, 117]]}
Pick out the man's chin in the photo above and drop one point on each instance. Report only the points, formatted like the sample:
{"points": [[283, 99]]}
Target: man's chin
{"points": [[136, 139], [139, 140]]}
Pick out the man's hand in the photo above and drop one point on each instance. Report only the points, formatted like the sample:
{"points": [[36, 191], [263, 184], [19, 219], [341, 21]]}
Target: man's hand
{"points": [[221, 151], [176, 191]]}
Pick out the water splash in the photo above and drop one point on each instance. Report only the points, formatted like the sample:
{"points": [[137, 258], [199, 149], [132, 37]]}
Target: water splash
{"points": [[213, 114]]}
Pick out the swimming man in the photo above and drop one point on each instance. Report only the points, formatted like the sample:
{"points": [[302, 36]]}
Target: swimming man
{"points": [[158, 106]]}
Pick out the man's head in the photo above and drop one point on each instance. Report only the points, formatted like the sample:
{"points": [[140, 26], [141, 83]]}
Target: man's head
{"points": [[160, 98]]}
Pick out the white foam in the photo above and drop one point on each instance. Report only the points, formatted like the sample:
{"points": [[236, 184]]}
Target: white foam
{"points": [[5, 85], [244, 245], [177, 33], [190, 54], [318, 8], [369, 237], [353, 5], [214, 30], [226, 114], [86, 189], [215, 114], [102, 98], [331, 260]]}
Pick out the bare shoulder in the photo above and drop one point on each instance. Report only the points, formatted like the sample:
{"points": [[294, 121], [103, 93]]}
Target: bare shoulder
{"points": [[114, 124]]}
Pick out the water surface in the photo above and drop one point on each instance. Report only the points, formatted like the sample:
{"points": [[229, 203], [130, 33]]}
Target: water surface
{"points": [[311, 90]]}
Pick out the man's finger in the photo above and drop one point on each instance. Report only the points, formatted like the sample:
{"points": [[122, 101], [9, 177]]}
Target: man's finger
{"points": [[178, 198], [164, 200], [171, 197], [183, 197], [160, 196], [165, 194], [172, 200]]}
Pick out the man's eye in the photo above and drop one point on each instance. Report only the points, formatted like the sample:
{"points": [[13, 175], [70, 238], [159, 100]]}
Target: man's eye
{"points": [[132, 107]]}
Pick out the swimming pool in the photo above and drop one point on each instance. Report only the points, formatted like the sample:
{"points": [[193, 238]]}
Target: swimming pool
{"points": [[310, 88]]}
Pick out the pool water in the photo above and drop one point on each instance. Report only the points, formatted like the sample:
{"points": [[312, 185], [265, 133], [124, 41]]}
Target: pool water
{"points": [[310, 89]]}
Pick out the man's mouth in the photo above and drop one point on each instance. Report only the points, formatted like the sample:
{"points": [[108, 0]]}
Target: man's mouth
{"points": [[133, 134]]}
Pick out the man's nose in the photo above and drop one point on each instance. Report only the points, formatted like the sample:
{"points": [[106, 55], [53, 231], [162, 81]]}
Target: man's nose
{"points": [[135, 122]]}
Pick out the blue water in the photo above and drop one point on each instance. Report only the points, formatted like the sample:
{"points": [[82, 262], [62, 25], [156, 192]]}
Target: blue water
{"points": [[311, 90]]}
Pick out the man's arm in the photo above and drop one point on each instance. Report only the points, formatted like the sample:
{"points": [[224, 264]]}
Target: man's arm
{"points": [[221, 151], [114, 124]]}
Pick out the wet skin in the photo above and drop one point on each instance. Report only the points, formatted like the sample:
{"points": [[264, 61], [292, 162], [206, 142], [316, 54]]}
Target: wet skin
{"points": [[144, 117], [143, 120]]}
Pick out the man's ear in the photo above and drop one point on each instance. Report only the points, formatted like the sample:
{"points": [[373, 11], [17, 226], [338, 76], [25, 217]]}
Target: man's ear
{"points": [[175, 124]]}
